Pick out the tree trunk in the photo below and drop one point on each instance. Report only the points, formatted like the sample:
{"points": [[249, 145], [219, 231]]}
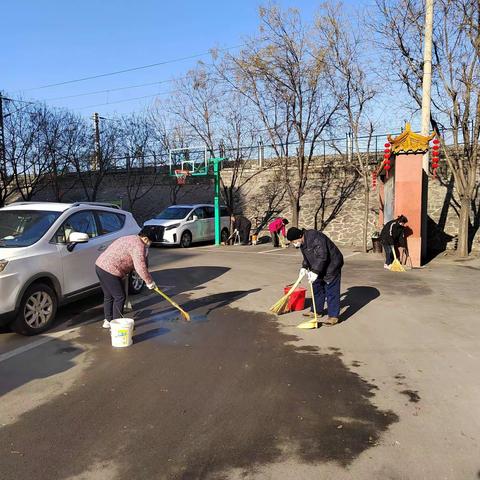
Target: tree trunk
{"points": [[365, 214], [463, 227], [295, 205]]}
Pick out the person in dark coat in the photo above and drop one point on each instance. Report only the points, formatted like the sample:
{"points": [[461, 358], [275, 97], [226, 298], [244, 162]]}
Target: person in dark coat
{"points": [[393, 236], [242, 225], [322, 263]]}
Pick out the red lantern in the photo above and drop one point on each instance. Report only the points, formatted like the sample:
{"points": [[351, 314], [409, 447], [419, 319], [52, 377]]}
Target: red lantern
{"points": [[436, 148], [386, 156], [387, 145], [436, 141]]}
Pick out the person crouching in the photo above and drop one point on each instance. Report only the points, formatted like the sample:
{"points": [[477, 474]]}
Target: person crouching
{"points": [[119, 260]]}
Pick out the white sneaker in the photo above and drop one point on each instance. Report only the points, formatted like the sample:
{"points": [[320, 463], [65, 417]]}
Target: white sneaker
{"points": [[106, 324], [384, 266]]}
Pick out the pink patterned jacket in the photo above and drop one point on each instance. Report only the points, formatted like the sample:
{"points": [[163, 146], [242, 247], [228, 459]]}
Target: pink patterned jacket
{"points": [[124, 255], [277, 226]]}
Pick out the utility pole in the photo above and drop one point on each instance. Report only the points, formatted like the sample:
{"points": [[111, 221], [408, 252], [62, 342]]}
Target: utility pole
{"points": [[426, 106], [427, 75], [97, 156], [3, 162]]}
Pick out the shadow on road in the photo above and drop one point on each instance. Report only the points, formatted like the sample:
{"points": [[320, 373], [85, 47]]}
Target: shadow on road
{"points": [[355, 298], [36, 364]]}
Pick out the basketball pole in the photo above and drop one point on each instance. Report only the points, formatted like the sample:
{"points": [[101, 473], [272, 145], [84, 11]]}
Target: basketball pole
{"points": [[216, 201]]}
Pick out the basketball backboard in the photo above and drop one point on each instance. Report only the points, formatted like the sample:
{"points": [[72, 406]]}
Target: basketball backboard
{"points": [[193, 159]]}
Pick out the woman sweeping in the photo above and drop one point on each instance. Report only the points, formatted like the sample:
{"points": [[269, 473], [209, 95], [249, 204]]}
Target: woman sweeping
{"points": [[277, 229], [119, 260]]}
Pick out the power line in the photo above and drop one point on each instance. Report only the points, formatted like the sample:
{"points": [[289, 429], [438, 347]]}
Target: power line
{"points": [[179, 59], [126, 100], [113, 89]]}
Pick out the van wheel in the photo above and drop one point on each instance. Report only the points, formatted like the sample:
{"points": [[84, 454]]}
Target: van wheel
{"points": [[224, 235], [37, 310], [186, 240]]}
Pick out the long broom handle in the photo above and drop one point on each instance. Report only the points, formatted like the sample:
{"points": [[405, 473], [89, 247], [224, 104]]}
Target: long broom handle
{"points": [[313, 302], [178, 307]]}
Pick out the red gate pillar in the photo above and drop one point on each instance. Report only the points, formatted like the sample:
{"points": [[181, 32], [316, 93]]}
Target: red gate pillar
{"points": [[410, 192], [408, 200]]}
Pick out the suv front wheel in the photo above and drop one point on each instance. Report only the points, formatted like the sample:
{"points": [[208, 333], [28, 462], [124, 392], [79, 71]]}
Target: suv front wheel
{"points": [[37, 310]]}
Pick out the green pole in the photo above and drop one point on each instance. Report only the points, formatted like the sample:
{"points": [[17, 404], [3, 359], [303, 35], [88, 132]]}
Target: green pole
{"points": [[216, 203]]}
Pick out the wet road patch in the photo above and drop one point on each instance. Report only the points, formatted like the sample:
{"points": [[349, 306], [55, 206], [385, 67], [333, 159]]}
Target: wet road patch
{"points": [[200, 400]]}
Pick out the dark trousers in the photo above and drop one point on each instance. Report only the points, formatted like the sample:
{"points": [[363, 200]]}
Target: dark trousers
{"points": [[388, 254], [330, 292], [113, 294], [245, 234], [275, 239]]}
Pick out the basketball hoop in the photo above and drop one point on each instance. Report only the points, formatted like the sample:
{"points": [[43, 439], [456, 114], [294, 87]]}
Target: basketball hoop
{"points": [[181, 176]]}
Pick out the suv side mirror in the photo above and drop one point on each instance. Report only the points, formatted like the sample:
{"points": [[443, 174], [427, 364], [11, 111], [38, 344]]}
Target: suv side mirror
{"points": [[195, 218], [76, 237]]}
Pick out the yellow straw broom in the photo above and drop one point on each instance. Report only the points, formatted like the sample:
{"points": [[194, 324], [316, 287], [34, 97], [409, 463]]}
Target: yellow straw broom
{"points": [[396, 266], [282, 305], [185, 315]]}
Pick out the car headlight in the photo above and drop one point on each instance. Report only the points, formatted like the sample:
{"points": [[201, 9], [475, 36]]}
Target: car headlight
{"points": [[171, 227], [3, 264]]}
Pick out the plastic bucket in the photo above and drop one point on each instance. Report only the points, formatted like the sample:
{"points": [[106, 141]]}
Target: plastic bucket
{"points": [[297, 298], [121, 330]]}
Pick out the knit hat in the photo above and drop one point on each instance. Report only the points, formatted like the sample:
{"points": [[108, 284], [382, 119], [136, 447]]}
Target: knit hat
{"points": [[294, 233]]}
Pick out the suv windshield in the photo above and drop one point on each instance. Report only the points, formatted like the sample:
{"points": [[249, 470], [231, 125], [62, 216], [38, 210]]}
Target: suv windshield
{"points": [[22, 228], [173, 213]]}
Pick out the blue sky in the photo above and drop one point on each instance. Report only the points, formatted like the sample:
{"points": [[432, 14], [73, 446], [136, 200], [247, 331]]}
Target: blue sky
{"points": [[51, 41]]}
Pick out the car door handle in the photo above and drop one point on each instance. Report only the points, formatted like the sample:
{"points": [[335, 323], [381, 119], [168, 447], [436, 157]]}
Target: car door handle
{"points": [[102, 248]]}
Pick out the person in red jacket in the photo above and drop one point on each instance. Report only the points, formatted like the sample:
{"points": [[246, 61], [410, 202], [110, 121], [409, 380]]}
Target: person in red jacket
{"points": [[277, 228], [122, 257]]}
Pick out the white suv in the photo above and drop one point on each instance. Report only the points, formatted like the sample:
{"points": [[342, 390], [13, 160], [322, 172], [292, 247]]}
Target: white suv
{"points": [[47, 257], [186, 224]]}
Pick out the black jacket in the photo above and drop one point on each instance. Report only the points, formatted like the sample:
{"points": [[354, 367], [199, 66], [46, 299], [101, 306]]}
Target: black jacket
{"points": [[393, 234], [241, 223], [321, 255]]}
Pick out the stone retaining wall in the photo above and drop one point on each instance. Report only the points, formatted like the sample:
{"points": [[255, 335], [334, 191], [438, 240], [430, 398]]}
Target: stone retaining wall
{"points": [[333, 198]]}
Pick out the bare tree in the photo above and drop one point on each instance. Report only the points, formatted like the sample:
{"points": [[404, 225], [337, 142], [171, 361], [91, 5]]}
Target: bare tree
{"points": [[455, 83], [54, 129], [336, 186], [143, 157], [284, 73], [82, 153], [219, 117], [356, 93], [25, 148]]}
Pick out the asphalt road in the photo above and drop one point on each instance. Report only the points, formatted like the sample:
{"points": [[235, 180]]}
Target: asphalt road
{"points": [[390, 393]]}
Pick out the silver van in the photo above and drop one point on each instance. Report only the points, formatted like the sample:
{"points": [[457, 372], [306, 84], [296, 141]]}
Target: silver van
{"points": [[187, 224]]}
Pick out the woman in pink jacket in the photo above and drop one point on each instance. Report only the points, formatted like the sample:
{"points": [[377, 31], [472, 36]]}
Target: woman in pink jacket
{"points": [[122, 257], [276, 228]]}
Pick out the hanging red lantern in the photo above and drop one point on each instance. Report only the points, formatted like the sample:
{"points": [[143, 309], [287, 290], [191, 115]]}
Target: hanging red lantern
{"points": [[387, 145], [435, 156]]}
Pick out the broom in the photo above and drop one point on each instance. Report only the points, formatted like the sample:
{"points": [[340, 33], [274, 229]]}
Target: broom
{"points": [[396, 266], [282, 305], [310, 324], [185, 315]]}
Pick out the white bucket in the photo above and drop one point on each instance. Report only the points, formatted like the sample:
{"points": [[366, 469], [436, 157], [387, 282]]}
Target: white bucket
{"points": [[121, 330]]}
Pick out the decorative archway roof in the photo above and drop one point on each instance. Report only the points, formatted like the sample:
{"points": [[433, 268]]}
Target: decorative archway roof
{"points": [[409, 142]]}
